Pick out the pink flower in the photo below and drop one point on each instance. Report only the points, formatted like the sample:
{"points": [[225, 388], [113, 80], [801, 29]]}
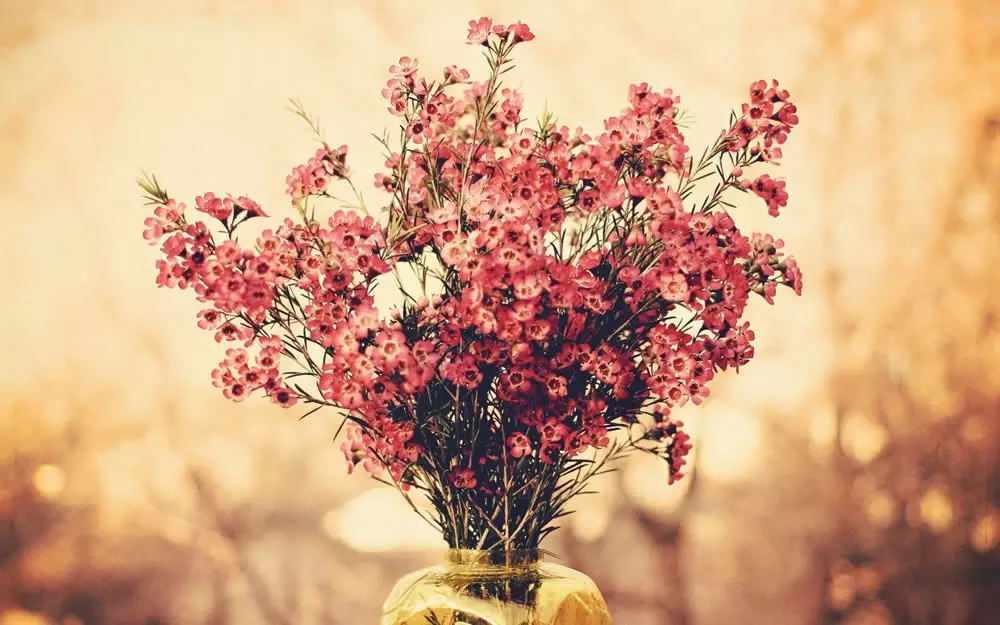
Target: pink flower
{"points": [[518, 445], [154, 230], [454, 75], [520, 32], [556, 386], [462, 477], [284, 397], [553, 430], [793, 275], [771, 191], [479, 31], [353, 447], [742, 133], [235, 391], [674, 286], [248, 206], [209, 319], [214, 206], [417, 130], [228, 252], [314, 177], [406, 67], [467, 374]]}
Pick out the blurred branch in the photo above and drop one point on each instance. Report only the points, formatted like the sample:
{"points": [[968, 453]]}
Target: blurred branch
{"points": [[223, 528], [906, 337]]}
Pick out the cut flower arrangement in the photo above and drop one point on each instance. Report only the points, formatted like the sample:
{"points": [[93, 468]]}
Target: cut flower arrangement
{"points": [[567, 293]]}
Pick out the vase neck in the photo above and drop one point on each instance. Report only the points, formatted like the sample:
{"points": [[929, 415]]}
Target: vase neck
{"points": [[518, 558]]}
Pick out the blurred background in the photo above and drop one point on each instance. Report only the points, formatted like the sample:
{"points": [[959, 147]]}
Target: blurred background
{"points": [[847, 476]]}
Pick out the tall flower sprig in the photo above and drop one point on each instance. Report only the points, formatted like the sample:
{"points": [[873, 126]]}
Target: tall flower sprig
{"points": [[572, 290]]}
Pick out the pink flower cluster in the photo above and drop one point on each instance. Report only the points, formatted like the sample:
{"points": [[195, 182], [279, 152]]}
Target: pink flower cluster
{"points": [[314, 177], [579, 291]]}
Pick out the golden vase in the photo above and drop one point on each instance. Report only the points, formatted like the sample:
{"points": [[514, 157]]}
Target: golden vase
{"points": [[495, 588]]}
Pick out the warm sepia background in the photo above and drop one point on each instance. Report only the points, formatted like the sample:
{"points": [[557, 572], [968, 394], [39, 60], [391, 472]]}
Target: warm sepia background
{"points": [[848, 475]]}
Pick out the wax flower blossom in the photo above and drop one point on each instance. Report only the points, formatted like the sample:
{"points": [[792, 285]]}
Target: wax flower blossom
{"points": [[573, 291]]}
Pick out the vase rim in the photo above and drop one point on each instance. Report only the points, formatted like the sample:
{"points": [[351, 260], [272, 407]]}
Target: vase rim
{"points": [[498, 557]]}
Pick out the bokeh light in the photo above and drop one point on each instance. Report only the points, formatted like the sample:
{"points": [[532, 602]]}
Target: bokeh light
{"points": [[49, 480], [380, 521], [730, 445]]}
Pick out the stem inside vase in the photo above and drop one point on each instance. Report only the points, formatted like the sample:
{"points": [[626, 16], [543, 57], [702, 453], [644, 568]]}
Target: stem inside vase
{"points": [[510, 576]]}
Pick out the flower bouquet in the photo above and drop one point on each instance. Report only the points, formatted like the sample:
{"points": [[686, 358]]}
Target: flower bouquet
{"points": [[560, 295]]}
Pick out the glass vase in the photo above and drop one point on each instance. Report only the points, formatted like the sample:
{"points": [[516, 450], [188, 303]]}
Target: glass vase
{"points": [[495, 588]]}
